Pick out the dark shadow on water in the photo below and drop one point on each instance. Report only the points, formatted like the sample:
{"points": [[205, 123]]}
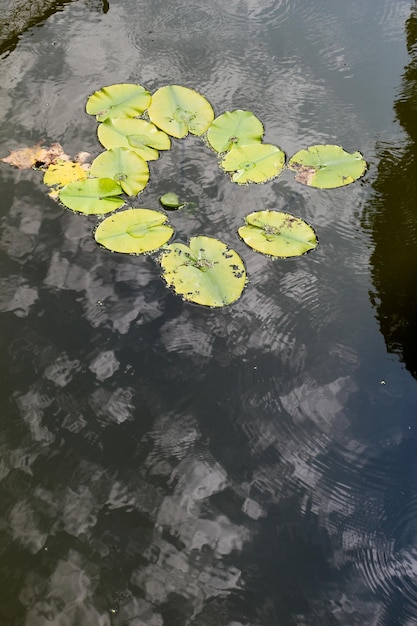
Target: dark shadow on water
{"points": [[19, 16], [392, 221]]}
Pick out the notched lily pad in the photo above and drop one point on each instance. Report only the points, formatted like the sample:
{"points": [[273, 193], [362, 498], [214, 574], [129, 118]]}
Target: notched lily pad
{"points": [[134, 231], [170, 200], [92, 196], [125, 167], [327, 166], [207, 272], [179, 110], [119, 100], [138, 135], [278, 234], [254, 163], [234, 128]]}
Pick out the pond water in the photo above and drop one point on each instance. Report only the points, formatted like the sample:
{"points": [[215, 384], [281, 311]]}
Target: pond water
{"points": [[165, 464]]}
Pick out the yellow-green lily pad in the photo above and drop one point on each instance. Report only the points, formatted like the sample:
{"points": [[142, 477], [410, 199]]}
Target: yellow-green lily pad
{"points": [[134, 231], [63, 172], [234, 128], [278, 234], [327, 166], [138, 135], [254, 163], [125, 167], [92, 196], [119, 100], [205, 272], [179, 110]]}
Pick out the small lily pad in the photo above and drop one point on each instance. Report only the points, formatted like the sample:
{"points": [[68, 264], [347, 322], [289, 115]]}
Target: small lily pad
{"points": [[278, 234], [134, 231], [125, 167], [207, 272], [179, 110], [234, 128], [63, 172], [327, 166], [92, 196], [120, 100], [138, 135], [170, 200], [254, 163]]}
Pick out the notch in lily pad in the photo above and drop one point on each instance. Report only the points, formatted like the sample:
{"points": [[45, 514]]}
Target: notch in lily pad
{"points": [[138, 135], [179, 110], [119, 100], [327, 166], [254, 163], [278, 234], [125, 167], [134, 231], [233, 129], [92, 196], [206, 272]]}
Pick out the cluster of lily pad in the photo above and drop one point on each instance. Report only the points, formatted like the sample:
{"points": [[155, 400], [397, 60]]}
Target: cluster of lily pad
{"points": [[134, 126]]}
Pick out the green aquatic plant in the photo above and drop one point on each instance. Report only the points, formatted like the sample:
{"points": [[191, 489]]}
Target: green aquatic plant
{"points": [[120, 100], [234, 128], [179, 110], [92, 196], [134, 231], [254, 163], [170, 200], [327, 166], [205, 272], [278, 234], [136, 134], [125, 167]]}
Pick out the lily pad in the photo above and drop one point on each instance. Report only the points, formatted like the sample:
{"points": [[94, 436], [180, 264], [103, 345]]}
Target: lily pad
{"points": [[92, 196], [179, 110], [125, 167], [327, 166], [138, 135], [254, 163], [234, 128], [120, 100], [134, 231], [63, 172], [278, 234], [170, 200], [207, 272]]}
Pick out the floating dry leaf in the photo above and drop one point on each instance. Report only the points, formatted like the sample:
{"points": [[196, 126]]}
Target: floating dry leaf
{"points": [[36, 156]]}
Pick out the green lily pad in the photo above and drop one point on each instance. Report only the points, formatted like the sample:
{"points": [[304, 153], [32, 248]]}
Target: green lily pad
{"points": [[234, 128], [125, 167], [120, 100], [254, 163], [327, 166], [92, 196], [207, 272], [278, 234], [170, 200], [134, 231], [178, 111], [138, 135]]}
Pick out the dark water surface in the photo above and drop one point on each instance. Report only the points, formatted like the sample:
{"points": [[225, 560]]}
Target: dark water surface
{"points": [[164, 464]]}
